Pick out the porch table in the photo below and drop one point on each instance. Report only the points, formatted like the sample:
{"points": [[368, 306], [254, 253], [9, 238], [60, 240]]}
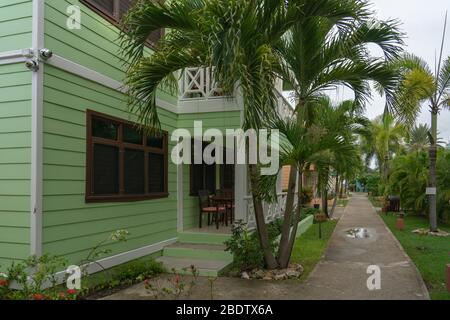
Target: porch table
{"points": [[228, 202]]}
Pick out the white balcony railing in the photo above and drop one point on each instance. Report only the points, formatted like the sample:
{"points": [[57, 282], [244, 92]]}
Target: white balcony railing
{"points": [[285, 109], [272, 211], [199, 83]]}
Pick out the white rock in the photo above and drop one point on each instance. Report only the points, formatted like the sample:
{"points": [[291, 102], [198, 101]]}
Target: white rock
{"points": [[280, 276], [293, 274]]}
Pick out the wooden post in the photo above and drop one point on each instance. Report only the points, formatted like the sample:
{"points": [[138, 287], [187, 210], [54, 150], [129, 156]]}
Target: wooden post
{"points": [[320, 217]]}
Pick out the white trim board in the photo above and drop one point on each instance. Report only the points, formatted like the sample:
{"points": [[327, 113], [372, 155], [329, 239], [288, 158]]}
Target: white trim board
{"points": [[121, 258], [94, 76], [226, 104], [114, 260], [184, 107], [15, 56], [37, 102]]}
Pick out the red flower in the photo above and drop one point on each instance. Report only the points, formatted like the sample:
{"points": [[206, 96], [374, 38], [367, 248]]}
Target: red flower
{"points": [[38, 296], [4, 283], [62, 295], [72, 292], [177, 279]]}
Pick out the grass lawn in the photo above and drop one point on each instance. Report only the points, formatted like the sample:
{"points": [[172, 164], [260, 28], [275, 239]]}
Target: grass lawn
{"points": [[309, 249], [430, 254]]}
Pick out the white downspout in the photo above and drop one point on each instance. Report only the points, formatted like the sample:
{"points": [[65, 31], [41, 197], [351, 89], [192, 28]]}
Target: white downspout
{"points": [[37, 87]]}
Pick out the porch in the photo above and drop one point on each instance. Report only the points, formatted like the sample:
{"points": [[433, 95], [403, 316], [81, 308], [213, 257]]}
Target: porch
{"points": [[203, 244]]}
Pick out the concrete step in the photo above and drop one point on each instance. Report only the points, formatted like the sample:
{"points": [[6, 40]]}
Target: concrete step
{"points": [[199, 251], [203, 238], [205, 267]]}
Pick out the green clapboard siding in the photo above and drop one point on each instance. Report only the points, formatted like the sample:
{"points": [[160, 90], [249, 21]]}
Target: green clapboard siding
{"points": [[15, 24], [95, 45], [15, 155], [71, 226], [218, 120]]}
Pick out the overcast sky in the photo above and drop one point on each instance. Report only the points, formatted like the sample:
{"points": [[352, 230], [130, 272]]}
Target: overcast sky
{"points": [[422, 21]]}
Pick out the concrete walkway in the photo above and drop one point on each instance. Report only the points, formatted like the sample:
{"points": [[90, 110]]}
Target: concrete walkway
{"points": [[342, 273]]}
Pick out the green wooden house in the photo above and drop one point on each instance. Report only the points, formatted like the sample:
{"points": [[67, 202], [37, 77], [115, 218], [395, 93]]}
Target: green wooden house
{"points": [[73, 170]]}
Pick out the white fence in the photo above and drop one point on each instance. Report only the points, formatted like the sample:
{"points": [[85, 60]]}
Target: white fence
{"points": [[272, 211], [199, 83]]}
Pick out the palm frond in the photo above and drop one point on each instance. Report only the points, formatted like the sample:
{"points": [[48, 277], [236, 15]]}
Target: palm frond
{"points": [[444, 82]]}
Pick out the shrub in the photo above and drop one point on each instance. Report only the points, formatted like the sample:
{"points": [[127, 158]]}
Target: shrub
{"points": [[245, 247], [373, 181], [310, 211], [138, 271], [33, 284], [409, 178], [443, 182], [307, 195]]}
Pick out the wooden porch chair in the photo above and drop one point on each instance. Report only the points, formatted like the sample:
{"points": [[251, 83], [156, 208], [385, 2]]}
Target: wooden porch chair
{"points": [[210, 207], [230, 206]]}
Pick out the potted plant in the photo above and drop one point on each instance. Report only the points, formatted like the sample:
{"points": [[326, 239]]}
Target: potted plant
{"points": [[400, 224]]}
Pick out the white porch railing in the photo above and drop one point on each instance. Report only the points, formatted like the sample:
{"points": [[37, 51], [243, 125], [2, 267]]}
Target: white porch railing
{"points": [[272, 211], [285, 109], [199, 83]]}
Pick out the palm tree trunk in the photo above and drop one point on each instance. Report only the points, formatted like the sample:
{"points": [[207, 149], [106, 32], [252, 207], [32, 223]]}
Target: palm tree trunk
{"points": [[432, 178], [285, 257], [288, 213], [335, 197], [386, 169], [263, 234], [325, 201]]}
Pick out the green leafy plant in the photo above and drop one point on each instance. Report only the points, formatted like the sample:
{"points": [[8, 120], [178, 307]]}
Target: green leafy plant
{"points": [[443, 182], [34, 276], [138, 271], [409, 179], [310, 211], [245, 246], [97, 251], [307, 195], [4, 286]]}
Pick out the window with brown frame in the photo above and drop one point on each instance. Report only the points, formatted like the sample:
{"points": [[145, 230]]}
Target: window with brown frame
{"points": [[114, 10], [123, 164]]}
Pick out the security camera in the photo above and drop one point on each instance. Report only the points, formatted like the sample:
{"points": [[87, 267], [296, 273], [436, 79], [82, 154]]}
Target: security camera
{"points": [[32, 64], [45, 54]]}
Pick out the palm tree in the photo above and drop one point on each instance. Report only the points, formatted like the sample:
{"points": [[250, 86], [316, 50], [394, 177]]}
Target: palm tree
{"points": [[419, 138], [327, 48], [418, 84], [248, 44], [388, 136], [234, 37], [347, 123], [327, 142]]}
